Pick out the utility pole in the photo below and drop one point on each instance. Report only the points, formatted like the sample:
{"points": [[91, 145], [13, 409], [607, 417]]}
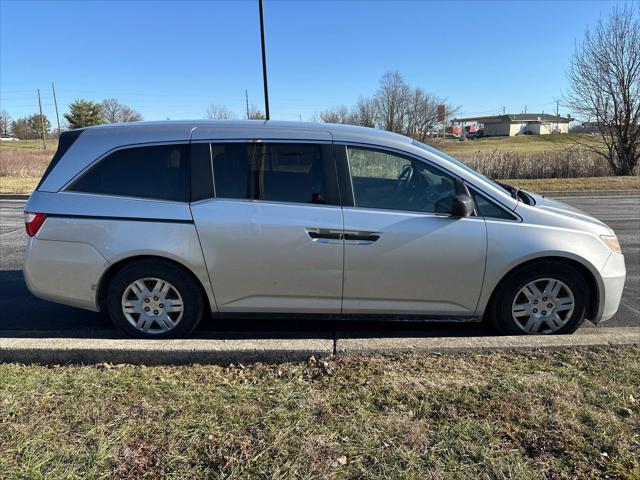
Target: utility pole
{"points": [[44, 145], [557, 107], [503, 110], [525, 109], [55, 102], [264, 63], [246, 99]]}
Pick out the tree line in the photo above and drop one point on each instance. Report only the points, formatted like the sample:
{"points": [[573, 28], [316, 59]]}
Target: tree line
{"points": [[82, 113], [395, 106]]}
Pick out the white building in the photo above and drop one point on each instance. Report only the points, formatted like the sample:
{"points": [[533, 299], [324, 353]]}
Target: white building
{"points": [[520, 124]]}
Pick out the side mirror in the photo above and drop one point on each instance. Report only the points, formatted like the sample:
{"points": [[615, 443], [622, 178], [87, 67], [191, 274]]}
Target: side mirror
{"points": [[462, 205]]}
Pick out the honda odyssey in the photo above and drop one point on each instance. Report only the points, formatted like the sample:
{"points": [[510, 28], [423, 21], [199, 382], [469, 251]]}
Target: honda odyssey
{"points": [[165, 223]]}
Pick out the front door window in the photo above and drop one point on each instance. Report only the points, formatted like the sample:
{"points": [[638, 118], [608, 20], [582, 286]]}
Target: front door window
{"points": [[382, 180]]}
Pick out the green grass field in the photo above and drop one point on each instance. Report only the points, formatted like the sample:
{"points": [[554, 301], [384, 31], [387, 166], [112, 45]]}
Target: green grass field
{"points": [[570, 414]]}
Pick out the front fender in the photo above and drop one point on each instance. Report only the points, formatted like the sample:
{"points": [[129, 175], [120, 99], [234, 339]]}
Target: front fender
{"points": [[513, 244]]}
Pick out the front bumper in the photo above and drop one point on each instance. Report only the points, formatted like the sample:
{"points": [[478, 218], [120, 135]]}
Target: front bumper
{"points": [[613, 276]]}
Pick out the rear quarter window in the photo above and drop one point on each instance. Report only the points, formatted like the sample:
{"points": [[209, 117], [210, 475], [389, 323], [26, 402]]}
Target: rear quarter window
{"points": [[156, 172], [64, 143]]}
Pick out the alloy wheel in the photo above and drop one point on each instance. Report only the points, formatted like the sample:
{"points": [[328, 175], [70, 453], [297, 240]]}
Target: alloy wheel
{"points": [[152, 305], [543, 306]]}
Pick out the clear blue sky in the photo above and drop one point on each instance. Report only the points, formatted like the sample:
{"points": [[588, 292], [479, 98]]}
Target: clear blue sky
{"points": [[173, 59]]}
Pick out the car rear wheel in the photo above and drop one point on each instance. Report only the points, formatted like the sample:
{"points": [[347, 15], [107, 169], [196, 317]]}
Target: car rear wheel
{"points": [[541, 299], [154, 299]]}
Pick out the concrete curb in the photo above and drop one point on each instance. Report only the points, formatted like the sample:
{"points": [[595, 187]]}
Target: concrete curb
{"points": [[223, 352], [598, 338], [159, 352]]}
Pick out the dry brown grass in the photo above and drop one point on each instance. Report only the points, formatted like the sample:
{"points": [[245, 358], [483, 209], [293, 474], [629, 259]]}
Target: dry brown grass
{"points": [[561, 169], [18, 185], [577, 184], [24, 162]]}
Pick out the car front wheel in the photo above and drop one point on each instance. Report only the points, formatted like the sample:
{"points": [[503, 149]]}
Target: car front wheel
{"points": [[541, 299]]}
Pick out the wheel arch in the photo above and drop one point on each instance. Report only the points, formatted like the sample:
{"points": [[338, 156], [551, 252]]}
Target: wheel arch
{"points": [[115, 267], [586, 272]]}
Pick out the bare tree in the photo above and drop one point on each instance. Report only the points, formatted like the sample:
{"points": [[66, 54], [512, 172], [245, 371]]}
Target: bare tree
{"points": [[5, 123], [392, 99], [364, 113], [115, 112], [336, 115], [219, 112], [254, 113], [604, 79]]}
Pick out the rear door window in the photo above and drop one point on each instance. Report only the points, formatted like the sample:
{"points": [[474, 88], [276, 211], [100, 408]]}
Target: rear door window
{"points": [[277, 172], [156, 172]]}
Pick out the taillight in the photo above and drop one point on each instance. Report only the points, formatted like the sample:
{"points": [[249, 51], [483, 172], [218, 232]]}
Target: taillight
{"points": [[33, 222]]}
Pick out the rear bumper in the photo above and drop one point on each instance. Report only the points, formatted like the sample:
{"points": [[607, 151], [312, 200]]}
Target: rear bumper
{"points": [[64, 272], [613, 276]]}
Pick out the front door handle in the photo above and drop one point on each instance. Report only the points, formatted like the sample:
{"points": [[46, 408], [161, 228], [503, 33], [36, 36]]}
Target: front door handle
{"points": [[322, 235]]}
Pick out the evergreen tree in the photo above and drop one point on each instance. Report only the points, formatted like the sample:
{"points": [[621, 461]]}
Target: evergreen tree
{"points": [[35, 124], [84, 113]]}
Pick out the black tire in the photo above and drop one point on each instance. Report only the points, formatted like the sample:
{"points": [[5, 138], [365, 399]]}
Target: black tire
{"points": [[500, 311], [186, 285]]}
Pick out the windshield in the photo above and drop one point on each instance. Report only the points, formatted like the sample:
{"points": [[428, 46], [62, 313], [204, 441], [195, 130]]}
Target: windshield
{"points": [[459, 164]]}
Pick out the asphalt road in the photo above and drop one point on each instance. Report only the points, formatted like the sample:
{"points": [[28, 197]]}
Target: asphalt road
{"points": [[23, 315]]}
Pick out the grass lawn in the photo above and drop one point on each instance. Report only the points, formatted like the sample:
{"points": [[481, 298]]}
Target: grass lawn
{"points": [[518, 144], [570, 414], [577, 184], [521, 143], [20, 185], [51, 144]]}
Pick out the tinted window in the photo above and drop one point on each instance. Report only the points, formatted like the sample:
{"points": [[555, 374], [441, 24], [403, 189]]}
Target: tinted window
{"points": [[281, 172], [487, 208], [201, 172], [159, 172], [386, 181]]}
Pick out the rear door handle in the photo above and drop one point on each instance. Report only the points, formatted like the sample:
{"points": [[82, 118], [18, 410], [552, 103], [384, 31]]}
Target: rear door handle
{"points": [[320, 235], [362, 237]]}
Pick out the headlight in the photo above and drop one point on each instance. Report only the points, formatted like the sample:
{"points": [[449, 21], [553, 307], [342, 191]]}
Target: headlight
{"points": [[612, 242]]}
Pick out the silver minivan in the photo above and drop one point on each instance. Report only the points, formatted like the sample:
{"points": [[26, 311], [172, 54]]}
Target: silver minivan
{"points": [[163, 223]]}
